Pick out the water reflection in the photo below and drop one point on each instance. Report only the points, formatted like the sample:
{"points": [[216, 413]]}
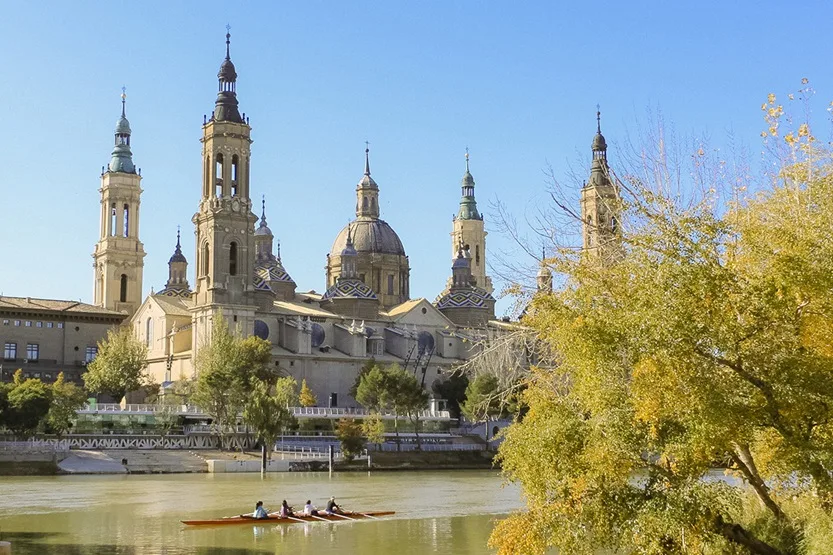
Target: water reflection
{"points": [[436, 512]]}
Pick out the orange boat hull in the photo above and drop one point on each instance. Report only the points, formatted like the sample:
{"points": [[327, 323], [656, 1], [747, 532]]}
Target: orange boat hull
{"points": [[289, 520]]}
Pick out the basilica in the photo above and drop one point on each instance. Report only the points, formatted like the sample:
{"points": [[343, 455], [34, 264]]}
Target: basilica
{"points": [[366, 310]]}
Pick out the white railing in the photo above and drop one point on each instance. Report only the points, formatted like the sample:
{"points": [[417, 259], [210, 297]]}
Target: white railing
{"points": [[208, 428], [308, 412], [428, 447], [324, 412]]}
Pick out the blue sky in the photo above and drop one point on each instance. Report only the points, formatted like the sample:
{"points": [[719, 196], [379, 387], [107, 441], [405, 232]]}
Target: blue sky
{"points": [[515, 82]]}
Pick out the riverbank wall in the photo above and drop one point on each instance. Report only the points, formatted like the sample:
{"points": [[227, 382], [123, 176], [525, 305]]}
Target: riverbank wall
{"points": [[405, 460]]}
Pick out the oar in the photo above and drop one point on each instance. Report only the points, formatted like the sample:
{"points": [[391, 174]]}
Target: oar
{"points": [[343, 516], [295, 519], [365, 515], [319, 518]]}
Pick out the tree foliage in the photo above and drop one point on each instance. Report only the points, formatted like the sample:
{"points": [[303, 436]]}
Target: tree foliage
{"points": [[483, 400], [373, 428], [228, 370], [119, 366], [307, 397], [67, 398], [267, 409], [393, 389], [349, 434], [704, 342], [453, 390], [28, 405]]}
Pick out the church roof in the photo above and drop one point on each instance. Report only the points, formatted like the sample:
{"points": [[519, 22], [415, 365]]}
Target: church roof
{"points": [[54, 305], [369, 235], [473, 297], [271, 270], [172, 305], [349, 289]]}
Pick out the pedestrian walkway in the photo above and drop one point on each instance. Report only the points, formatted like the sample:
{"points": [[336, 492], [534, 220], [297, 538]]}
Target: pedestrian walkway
{"points": [[90, 462]]}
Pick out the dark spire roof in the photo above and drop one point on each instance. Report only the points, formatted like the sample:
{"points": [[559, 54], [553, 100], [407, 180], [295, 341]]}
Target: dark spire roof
{"points": [[225, 109], [177, 256], [122, 158], [263, 228], [468, 205], [599, 143], [366, 180]]}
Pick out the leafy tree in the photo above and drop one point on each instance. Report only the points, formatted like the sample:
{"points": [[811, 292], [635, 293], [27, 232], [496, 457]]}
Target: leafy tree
{"points": [[29, 402], [267, 411], [407, 397], [366, 367], [4, 403], [453, 390], [482, 399], [349, 433], [705, 340], [67, 398], [373, 392], [307, 397], [119, 366], [373, 428], [228, 369]]}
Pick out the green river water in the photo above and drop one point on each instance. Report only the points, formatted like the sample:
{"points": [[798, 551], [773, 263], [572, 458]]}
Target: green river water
{"points": [[437, 512]]}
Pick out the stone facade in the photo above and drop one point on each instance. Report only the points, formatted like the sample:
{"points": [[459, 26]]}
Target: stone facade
{"points": [[44, 337]]}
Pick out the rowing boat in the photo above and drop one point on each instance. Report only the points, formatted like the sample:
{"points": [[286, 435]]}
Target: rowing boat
{"points": [[352, 515]]}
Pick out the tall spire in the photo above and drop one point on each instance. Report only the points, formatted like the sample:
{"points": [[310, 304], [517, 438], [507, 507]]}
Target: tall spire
{"points": [[122, 158], [263, 211], [468, 205], [225, 108], [367, 158], [599, 145], [367, 192]]}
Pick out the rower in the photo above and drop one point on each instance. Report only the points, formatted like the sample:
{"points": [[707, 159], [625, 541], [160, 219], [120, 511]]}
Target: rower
{"points": [[332, 508], [259, 513], [286, 510], [309, 510]]}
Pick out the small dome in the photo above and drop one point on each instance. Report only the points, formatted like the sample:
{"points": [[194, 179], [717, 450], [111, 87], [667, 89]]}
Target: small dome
{"points": [[369, 235], [473, 297], [177, 257], [349, 289], [468, 180], [227, 72], [263, 230], [599, 142], [121, 160], [122, 126], [367, 182]]}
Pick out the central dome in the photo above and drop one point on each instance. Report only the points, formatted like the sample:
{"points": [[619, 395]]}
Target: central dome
{"points": [[371, 236]]}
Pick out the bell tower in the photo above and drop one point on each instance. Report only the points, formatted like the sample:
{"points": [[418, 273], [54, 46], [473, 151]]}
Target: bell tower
{"points": [[224, 224], [118, 258], [469, 231], [599, 200]]}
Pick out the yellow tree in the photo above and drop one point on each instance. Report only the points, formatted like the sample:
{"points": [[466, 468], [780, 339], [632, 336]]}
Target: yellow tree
{"points": [[705, 343], [307, 397]]}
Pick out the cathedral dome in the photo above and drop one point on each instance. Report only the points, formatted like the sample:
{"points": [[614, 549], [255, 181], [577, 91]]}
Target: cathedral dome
{"points": [[123, 126], [369, 236]]}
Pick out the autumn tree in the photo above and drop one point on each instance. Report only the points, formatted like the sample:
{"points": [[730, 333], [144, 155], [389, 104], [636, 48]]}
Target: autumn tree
{"points": [[307, 397], [373, 428], [120, 365], [704, 343], [67, 398]]}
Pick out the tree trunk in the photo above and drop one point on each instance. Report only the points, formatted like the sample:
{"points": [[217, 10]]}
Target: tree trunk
{"points": [[736, 533], [416, 431], [262, 457], [396, 429], [742, 457]]}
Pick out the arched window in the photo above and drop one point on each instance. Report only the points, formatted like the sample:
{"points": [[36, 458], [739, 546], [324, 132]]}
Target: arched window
{"points": [[126, 220], [218, 176], [206, 255], [477, 255], [113, 219], [232, 259], [123, 289], [149, 332], [364, 203], [235, 164]]}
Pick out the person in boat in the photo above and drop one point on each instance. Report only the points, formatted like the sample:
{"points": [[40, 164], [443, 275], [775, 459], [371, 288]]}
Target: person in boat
{"points": [[286, 510], [309, 510], [259, 513], [332, 507]]}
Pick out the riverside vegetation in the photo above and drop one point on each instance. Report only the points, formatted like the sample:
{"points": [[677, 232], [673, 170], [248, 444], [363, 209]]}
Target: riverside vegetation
{"points": [[700, 338]]}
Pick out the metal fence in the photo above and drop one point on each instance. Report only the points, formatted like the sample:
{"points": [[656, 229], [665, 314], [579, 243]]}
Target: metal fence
{"points": [[34, 446]]}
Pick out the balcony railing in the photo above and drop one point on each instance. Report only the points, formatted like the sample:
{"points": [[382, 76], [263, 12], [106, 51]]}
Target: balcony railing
{"points": [[298, 412]]}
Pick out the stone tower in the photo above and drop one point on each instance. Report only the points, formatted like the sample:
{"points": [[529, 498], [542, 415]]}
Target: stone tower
{"points": [[468, 229], [599, 200], [119, 255], [543, 279], [224, 224]]}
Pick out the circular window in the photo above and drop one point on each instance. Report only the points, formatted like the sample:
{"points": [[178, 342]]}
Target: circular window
{"points": [[318, 335], [261, 329], [424, 310]]}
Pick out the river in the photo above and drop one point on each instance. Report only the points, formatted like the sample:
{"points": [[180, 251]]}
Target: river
{"points": [[436, 512]]}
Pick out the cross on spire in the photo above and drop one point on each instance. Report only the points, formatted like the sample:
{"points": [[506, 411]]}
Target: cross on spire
{"points": [[228, 40], [598, 119], [367, 158], [123, 99], [467, 159]]}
